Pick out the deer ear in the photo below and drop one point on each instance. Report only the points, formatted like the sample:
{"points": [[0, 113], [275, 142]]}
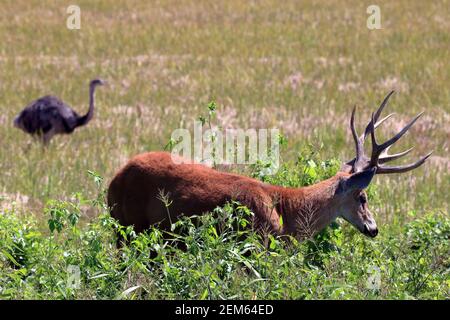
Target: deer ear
{"points": [[359, 181]]}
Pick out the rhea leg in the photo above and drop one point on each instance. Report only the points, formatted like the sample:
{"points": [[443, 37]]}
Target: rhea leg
{"points": [[47, 137]]}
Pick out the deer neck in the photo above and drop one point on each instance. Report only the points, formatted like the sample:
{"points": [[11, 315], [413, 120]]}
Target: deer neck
{"points": [[307, 210]]}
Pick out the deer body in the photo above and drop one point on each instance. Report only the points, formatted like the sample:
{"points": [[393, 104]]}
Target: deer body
{"points": [[194, 189], [134, 194]]}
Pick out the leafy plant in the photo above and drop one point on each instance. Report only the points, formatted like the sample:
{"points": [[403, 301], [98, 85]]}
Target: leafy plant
{"points": [[219, 256]]}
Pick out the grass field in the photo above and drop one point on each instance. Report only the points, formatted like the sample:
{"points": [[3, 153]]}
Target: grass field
{"points": [[299, 67]]}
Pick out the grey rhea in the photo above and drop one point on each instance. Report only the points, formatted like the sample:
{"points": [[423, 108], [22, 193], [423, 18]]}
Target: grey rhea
{"points": [[48, 116]]}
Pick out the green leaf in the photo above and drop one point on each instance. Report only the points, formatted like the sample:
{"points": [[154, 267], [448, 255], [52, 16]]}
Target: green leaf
{"points": [[10, 257], [204, 294], [125, 293]]}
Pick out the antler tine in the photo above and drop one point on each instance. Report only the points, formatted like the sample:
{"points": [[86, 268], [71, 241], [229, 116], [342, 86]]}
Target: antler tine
{"points": [[352, 127], [376, 148], [404, 168], [401, 133], [380, 153], [379, 122], [383, 104], [378, 113], [367, 131], [385, 157], [358, 143]]}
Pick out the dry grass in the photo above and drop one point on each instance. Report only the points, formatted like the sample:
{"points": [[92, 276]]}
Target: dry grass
{"points": [[300, 67]]}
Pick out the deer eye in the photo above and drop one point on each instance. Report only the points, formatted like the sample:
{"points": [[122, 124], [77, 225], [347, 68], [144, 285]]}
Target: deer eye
{"points": [[362, 199]]}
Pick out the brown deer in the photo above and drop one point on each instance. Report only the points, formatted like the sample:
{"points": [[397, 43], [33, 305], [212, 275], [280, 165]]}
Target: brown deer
{"points": [[134, 193]]}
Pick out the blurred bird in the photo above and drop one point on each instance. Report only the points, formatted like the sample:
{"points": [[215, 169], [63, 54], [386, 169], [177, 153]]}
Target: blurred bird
{"points": [[48, 116]]}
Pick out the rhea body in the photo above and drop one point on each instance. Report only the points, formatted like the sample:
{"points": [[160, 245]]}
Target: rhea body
{"points": [[134, 194], [49, 115]]}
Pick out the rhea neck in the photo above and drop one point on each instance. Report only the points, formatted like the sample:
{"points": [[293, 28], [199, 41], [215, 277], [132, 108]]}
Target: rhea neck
{"points": [[81, 121], [316, 206], [90, 113]]}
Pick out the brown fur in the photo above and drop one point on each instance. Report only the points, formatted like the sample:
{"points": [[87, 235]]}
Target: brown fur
{"points": [[195, 189]]}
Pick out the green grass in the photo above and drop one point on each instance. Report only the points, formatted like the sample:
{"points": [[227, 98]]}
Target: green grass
{"points": [[299, 68], [222, 258]]}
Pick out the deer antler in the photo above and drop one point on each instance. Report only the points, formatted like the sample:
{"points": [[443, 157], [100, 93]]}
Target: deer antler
{"points": [[380, 151]]}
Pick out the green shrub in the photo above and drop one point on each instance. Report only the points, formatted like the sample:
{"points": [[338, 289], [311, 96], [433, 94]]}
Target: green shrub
{"points": [[217, 256]]}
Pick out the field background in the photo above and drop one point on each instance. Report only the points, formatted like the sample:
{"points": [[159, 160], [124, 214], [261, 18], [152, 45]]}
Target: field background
{"points": [[299, 66]]}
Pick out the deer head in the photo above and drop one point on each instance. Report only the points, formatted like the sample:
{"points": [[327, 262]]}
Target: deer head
{"points": [[361, 170]]}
